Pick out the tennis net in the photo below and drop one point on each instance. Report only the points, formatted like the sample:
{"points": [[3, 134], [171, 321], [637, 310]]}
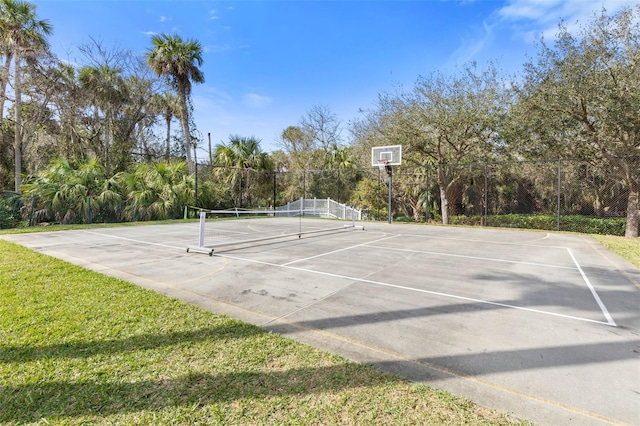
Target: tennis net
{"points": [[220, 228]]}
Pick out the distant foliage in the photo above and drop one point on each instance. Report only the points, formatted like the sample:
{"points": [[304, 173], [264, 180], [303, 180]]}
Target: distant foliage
{"points": [[10, 206], [582, 224]]}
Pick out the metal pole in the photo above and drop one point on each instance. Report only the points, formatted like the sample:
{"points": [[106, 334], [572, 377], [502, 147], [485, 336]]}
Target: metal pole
{"points": [[486, 197], [195, 161], [428, 195], [559, 184], [275, 176], [390, 172]]}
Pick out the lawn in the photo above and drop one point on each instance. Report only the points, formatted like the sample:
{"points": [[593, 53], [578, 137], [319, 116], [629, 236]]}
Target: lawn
{"points": [[629, 248], [78, 347]]}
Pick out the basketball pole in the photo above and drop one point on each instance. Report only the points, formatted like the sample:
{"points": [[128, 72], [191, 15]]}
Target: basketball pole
{"points": [[390, 173]]}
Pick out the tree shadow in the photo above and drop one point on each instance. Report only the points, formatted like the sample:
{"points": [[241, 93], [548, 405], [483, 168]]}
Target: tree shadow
{"points": [[32, 402], [500, 361], [85, 349]]}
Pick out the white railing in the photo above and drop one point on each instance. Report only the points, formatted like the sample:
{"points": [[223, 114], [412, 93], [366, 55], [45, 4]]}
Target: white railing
{"points": [[325, 207]]}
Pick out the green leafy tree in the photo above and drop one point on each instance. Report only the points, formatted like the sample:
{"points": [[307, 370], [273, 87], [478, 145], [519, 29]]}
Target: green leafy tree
{"points": [[580, 97], [444, 121], [237, 159], [178, 60], [157, 191], [67, 194], [107, 89]]}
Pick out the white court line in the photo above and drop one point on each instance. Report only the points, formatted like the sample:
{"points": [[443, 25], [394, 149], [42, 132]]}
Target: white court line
{"points": [[490, 259], [610, 320], [506, 243], [593, 291], [417, 290], [337, 251], [135, 241]]}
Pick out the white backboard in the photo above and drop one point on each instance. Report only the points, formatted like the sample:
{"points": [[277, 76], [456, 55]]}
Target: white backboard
{"points": [[390, 155]]}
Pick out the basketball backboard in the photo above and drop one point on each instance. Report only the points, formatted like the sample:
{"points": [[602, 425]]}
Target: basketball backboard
{"points": [[386, 155]]}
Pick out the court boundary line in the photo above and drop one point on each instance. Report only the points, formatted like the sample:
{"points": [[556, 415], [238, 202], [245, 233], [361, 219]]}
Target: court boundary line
{"points": [[594, 293], [133, 240], [610, 321], [413, 289], [490, 259], [338, 250], [603, 308]]}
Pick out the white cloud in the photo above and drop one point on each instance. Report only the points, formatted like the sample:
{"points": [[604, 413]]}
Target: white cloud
{"points": [[473, 44], [213, 15], [531, 19], [517, 21], [255, 100], [164, 19]]}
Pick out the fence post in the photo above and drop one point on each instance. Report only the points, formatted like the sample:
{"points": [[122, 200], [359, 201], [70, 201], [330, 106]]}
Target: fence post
{"points": [[88, 209], [559, 185], [275, 176], [486, 196], [428, 201], [32, 210]]}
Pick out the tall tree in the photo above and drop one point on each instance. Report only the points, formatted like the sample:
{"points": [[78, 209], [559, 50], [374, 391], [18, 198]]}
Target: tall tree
{"points": [[167, 105], [106, 86], [580, 98], [22, 34], [323, 126], [178, 60], [444, 121]]}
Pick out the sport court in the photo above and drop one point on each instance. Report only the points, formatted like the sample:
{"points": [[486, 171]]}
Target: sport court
{"points": [[544, 326]]}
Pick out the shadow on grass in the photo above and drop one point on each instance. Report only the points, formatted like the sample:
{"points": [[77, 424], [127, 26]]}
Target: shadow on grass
{"points": [[84, 349], [32, 402]]}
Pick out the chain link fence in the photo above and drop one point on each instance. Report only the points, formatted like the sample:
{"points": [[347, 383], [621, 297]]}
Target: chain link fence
{"points": [[563, 195]]}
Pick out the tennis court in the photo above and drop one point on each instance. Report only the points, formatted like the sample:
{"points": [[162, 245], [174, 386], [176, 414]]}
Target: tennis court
{"points": [[544, 326]]}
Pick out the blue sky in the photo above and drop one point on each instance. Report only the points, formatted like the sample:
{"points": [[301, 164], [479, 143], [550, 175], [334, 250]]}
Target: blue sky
{"points": [[268, 62]]}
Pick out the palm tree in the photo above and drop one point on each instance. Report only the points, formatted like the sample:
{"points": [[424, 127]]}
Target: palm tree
{"points": [[178, 60], [107, 88], [22, 33], [70, 194], [65, 101], [167, 104], [158, 191], [238, 156]]}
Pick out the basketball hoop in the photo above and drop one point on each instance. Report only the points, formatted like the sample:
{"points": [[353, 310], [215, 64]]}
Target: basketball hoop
{"points": [[385, 157], [385, 165]]}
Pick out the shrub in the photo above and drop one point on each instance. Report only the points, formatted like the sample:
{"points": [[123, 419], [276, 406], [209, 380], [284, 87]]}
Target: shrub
{"points": [[583, 224], [10, 205]]}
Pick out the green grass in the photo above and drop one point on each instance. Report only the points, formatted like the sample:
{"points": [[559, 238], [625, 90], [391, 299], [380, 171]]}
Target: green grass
{"points": [[629, 248], [78, 347]]}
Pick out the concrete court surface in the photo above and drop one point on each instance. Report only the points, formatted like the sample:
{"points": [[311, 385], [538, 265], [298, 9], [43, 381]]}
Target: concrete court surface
{"points": [[541, 325]]}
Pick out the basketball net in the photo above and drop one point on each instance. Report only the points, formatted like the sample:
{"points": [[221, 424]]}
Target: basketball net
{"points": [[385, 166]]}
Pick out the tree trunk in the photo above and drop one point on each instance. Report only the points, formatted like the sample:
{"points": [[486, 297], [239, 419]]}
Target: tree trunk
{"points": [[167, 154], [184, 119], [633, 213], [17, 145], [4, 79], [444, 201]]}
